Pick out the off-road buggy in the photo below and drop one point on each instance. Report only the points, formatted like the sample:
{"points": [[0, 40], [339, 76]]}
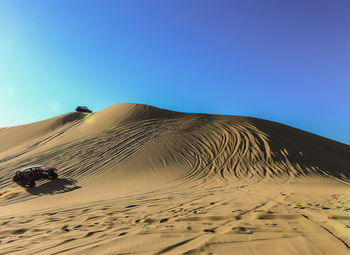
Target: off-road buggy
{"points": [[82, 109], [27, 176]]}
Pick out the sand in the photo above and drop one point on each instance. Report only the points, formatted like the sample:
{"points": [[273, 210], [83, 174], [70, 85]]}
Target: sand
{"points": [[135, 179]]}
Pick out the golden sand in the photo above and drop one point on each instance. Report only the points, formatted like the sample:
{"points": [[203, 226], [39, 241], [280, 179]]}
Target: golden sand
{"points": [[135, 179]]}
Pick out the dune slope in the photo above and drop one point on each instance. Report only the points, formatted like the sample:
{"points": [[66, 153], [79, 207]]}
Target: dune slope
{"points": [[132, 152]]}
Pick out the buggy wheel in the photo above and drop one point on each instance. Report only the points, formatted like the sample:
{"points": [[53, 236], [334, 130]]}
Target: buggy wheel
{"points": [[31, 184], [15, 178], [54, 175], [21, 184]]}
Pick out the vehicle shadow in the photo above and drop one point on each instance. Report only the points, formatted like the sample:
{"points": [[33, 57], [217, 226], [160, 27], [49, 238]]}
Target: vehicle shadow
{"points": [[59, 185]]}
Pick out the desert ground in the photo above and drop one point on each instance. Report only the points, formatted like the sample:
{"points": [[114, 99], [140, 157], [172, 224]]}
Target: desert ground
{"points": [[135, 179]]}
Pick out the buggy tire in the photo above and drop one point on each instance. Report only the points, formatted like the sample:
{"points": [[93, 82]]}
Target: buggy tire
{"points": [[54, 175], [21, 184], [15, 178], [32, 184]]}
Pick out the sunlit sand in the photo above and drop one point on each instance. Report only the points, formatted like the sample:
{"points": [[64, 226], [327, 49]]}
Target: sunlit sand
{"points": [[135, 179]]}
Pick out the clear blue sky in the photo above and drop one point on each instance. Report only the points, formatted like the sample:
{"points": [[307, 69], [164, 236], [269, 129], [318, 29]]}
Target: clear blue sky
{"points": [[287, 61]]}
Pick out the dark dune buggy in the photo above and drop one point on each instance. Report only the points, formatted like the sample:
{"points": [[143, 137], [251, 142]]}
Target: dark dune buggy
{"points": [[27, 176]]}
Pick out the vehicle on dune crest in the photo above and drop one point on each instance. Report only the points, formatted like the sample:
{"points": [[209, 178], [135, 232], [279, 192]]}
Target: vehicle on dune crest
{"points": [[82, 109], [27, 176]]}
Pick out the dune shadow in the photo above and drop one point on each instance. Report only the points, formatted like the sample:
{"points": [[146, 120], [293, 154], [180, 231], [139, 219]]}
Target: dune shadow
{"points": [[59, 185]]}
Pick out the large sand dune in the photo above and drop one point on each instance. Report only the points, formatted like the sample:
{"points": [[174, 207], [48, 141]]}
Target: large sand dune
{"points": [[135, 179]]}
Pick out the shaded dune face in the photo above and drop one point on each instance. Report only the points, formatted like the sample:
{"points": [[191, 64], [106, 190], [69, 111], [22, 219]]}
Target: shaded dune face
{"points": [[327, 157], [128, 141]]}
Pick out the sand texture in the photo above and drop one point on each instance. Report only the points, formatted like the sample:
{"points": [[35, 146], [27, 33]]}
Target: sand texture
{"points": [[135, 179]]}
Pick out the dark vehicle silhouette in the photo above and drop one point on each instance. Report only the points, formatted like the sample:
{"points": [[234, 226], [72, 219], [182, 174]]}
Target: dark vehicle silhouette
{"points": [[27, 176], [83, 109]]}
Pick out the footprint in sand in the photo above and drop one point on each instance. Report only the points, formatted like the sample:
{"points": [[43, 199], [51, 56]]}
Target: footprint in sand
{"points": [[19, 231], [242, 230], [65, 228], [130, 206], [163, 220]]}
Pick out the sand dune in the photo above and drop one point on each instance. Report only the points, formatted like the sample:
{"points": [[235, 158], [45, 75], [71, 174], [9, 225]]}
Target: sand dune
{"points": [[135, 179]]}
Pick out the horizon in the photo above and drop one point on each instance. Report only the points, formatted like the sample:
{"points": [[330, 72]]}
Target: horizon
{"points": [[180, 112], [283, 62]]}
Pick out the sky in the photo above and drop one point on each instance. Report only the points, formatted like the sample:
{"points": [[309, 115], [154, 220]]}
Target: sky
{"points": [[286, 61]]}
